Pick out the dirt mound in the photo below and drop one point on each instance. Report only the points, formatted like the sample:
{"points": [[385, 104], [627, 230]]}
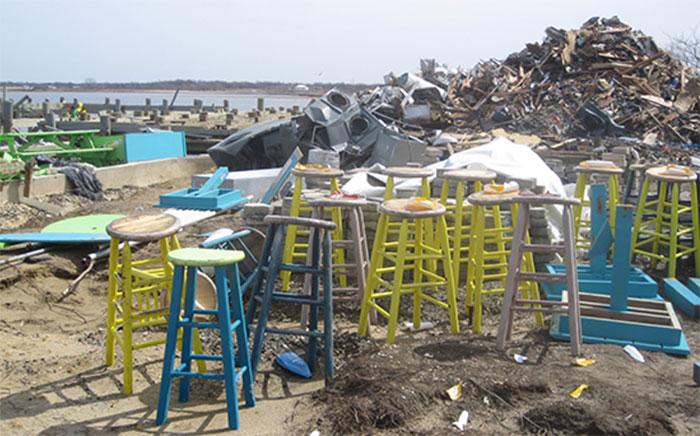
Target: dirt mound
{"points": [[565, 417]]}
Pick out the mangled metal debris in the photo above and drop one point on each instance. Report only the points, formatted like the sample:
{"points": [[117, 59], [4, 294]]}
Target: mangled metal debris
{"points": [[336, 122]]}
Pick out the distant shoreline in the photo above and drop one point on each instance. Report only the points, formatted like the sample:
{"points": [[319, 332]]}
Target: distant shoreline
{"points": [[241, 91]]}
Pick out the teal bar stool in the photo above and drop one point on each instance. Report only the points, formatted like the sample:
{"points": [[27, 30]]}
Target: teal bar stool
{"points": [[225, 263]]}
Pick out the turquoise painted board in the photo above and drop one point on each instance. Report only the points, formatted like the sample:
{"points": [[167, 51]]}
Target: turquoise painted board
{"points": [[682, 297], [694, 285], [641, 285], [681, 348], [156, 145], [55, 238]]}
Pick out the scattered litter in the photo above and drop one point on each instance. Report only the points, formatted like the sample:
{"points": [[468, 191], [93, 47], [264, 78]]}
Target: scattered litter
{"points": [[580, 361], [293, 363], [519, 359], [461, 423], [577, 393], [487, 401], [632, 351], [315, 433], [455, 392], [424, 325]]}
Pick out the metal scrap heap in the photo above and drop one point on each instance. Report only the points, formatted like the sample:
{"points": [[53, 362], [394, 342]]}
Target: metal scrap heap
{"points": [[604, 79]]}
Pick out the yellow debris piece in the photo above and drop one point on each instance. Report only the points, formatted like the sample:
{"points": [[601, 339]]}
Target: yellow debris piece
{"points": [[455, 392], [578, 391]]}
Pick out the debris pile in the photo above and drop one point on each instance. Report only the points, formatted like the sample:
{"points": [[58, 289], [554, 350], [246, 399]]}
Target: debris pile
{"points": [[603, 79]]}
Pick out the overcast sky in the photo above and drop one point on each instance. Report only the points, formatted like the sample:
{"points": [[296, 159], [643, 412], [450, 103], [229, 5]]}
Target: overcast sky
{"points": [[355, 41]]}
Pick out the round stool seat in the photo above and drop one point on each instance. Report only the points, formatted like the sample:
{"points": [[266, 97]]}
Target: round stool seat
{"points": [[299, 221], [144, 228], [408, 172], [341, 202], [599, 169], [486, 199], [192, 256], [657, 173], [398, 207], [312, 173], [546, 199], [470, 175]]}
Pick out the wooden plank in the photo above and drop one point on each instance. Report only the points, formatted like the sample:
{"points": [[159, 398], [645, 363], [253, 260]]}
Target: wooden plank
{"points": [[46, 207], [682, 297], [694, 285]]}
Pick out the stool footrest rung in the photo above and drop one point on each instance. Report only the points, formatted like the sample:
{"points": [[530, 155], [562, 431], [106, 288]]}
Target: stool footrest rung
{"points": [[294, 332], [544, 249], [206, 357], [541, 277], [300, 268], [185, 322], [286, 297], [539, 309], [540, 302]]}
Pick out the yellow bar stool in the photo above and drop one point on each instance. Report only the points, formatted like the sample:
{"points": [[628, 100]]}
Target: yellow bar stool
{"points": [[390, 261], [488, 255], [594, 169], [139, 290], [459, 214], [297, 250], [648, 236]]}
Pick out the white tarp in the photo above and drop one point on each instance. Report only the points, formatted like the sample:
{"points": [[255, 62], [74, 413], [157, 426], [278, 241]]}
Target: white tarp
{"points": [[500, 155]]}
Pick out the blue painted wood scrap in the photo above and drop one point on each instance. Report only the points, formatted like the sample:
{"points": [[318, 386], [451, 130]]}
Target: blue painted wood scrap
{"points": [[282, 177], [55, 238], [619, 285], [694, 285], [682, 297], [208, 197], [681, 348], [641, 285]]}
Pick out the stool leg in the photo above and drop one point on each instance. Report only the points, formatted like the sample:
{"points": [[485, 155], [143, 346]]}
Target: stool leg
{"points": [[696, 224], [511, 288], [111, 300], [327, 307], [291, 233], [241, 336], [318, 213], [418, 267], [170, 345], [313, 309], [457, 237], [127, 324], [579, 193], [188, 318], [273, 269], [359, 242], [661, 206], [256, 285], [376, 261], [641, 206], [450, 286], [226, 346], [673, 238], [613, 199], [478, 273], [398, 281], [572, 283]]}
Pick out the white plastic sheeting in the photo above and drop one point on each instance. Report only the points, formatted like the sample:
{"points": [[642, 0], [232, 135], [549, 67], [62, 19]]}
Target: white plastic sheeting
{"points": [[500, 155]]}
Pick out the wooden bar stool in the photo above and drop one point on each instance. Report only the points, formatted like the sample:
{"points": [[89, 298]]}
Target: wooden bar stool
{"points": [[459, 214], [488, 254], [138, 289], [271, 265], [294, 250], [516, 274], [228, 292], [665, 214], [408, 254], [357, 245], [593, 169]]}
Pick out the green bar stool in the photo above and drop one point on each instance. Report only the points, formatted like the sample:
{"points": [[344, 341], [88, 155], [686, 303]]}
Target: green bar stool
{"points": [[648, 235], [594, 169], [294, 250], [488, 254], [459, 214], [225, 263]]}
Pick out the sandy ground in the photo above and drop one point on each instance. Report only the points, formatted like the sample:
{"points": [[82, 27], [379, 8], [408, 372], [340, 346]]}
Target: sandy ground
{"points": [[54, 380]]}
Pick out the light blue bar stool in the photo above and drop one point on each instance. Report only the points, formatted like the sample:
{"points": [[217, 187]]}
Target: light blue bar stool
{"points": [[225, 263]]}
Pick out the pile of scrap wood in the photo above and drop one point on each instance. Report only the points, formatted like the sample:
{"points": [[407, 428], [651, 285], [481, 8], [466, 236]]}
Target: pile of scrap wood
{"points": [[603, 79]]}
